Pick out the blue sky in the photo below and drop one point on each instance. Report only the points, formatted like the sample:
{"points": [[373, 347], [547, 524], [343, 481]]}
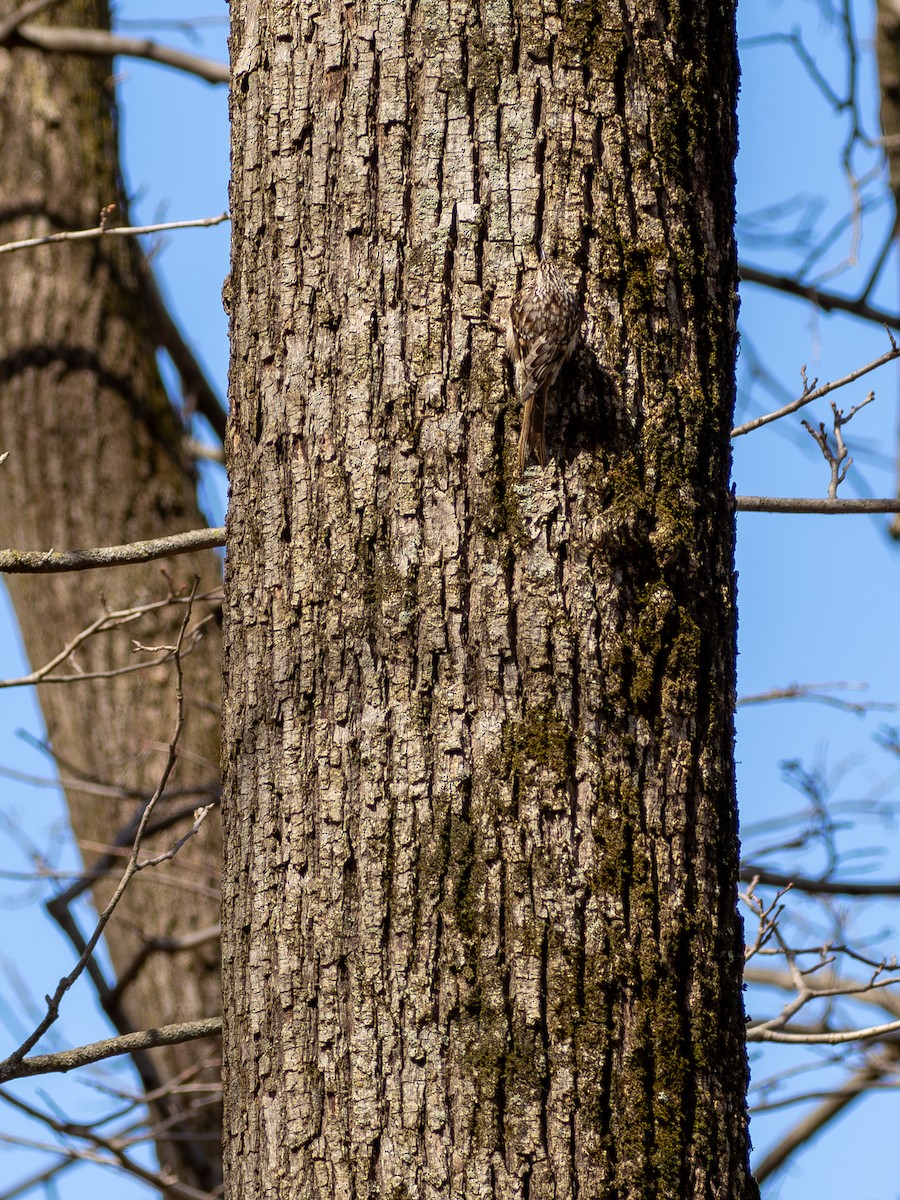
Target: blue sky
{"points": [[818, 595]]}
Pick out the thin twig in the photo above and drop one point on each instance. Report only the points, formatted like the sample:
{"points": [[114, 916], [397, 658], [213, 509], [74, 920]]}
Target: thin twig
{"points": [[200, 816], [44, 674], [166, 1186], [131, 869], [101, 231], [40, 562], [832, 457], [819, 693], [31, 1182]]}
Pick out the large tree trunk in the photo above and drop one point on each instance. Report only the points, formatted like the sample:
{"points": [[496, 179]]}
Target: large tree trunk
{"points": [[94, 458], [479, 916]]}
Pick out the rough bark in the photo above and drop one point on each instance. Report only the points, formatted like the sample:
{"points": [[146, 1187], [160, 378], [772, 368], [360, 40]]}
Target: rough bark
{"points": [[479, 929], [94, 458]]}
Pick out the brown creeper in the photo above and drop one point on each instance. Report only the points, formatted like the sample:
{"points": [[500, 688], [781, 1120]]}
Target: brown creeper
{"points": [[544, 324]]}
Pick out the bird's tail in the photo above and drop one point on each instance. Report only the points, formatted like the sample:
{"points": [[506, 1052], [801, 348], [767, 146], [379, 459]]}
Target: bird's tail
{"points": [[531, 438]]}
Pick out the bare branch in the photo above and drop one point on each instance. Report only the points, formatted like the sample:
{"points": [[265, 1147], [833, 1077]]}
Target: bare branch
{"points": [[46, 562], [24, 1186], [105, 624], [11, 23], [820, 693], [99, 43], [82, 1056], [838, 1037], [114, 1157], [869, 993], [811, 392], [167, 855], [818, 887], [767, 917], [795, 41], [89, 786], [859, 1083], [793, 979], [826, 301], [133, 866], [834, 460], [101, 231], [800, 504]]}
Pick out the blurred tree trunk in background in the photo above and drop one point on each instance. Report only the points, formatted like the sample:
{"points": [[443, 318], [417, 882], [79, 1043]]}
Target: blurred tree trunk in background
{"points": [[479, 929], [94, 459]]}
